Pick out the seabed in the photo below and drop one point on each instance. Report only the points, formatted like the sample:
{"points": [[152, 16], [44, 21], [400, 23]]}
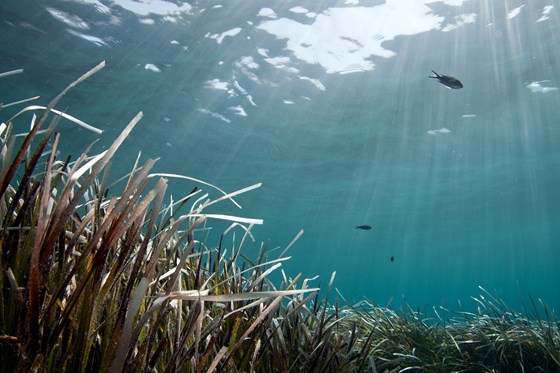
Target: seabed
{"points": [[96, 282]]}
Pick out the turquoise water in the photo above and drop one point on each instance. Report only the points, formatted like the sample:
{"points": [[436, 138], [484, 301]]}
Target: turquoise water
{"points": [[329, 105]]}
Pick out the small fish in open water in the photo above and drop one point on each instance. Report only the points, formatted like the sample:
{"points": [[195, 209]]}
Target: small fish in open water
{"points": [[448, 81], [363, 227]]}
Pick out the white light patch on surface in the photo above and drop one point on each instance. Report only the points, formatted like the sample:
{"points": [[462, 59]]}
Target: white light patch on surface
{"points": [[152, 67], [238, 110], [317, 83], [214, 115], [243, 92], [538, 87], [278, 61], [515, 12], [468, 115], [344, 39], [249, 62], [298, 10], [157, 7], [69, 19], [250, 99], [147, 21], [94, 39], [96, 4], [170, 19], [217, 84], [169, 11], [263, 52], [220, 37], [545, 13], [245, 70], [239, 88], [267, 12], [440, 131], [282, 62]]}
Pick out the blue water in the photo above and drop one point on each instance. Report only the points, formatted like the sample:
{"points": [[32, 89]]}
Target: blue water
{"points": [[329, 105]]}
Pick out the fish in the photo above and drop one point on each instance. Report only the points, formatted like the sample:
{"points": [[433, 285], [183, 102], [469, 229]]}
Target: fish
{"points": [[448, 81], [392, 258], [363, 227]]}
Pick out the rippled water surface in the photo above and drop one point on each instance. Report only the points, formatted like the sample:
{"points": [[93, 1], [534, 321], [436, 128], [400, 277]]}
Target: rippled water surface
{"points": [[330, 106]]}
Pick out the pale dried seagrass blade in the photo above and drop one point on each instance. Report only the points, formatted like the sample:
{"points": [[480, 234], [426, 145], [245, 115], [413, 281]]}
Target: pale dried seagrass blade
{"points": [[27, 142], [200, 182], [3, 106], [12, 72], [75, 120]]}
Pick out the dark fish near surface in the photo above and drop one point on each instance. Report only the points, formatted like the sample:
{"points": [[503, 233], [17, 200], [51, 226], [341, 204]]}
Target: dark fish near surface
{"points": [[392, 258], [448, 81], [363, 227]]}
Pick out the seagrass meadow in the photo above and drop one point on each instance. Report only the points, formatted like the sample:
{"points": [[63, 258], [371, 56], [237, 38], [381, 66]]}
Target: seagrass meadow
{"points": [[97, 282]]}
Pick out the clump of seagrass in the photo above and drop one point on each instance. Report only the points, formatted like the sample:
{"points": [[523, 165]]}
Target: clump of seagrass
{"points": [[95, 282], [494, 339]]}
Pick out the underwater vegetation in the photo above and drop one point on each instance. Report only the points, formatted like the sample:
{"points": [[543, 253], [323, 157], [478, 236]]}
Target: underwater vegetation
{"points": [[96, 282]]}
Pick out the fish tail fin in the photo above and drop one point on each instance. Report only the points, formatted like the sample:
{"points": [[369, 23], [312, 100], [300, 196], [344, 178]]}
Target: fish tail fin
{"points": [[435, 75]]}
